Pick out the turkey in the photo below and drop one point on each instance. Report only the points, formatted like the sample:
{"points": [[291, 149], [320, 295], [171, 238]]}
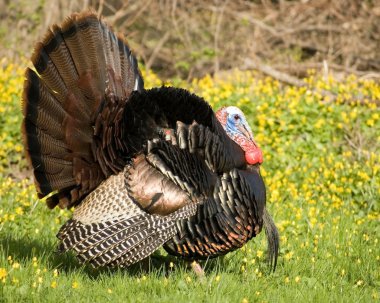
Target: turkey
{"points": [[142, 168]]}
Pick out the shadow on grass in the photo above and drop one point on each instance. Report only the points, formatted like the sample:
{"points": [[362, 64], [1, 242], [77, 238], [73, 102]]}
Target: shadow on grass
{"points": [[26, 249]]}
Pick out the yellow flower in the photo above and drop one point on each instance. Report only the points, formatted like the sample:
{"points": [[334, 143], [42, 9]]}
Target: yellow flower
{"points": [[289, 255], [3, 273], [375, 294], [359, 283], [370, 122], [19, 211], [297, 279], [75, 284], [53, 284], [16, 265]]}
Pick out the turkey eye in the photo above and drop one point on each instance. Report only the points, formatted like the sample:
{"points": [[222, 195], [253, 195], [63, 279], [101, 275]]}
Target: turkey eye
{"points": [[236, 117]]}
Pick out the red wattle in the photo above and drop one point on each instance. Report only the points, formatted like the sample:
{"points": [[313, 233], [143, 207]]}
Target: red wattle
{"points": [[254, 156]]}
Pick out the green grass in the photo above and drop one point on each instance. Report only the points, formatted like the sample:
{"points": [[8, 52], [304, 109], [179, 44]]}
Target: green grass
{"points": [[321, 168]]}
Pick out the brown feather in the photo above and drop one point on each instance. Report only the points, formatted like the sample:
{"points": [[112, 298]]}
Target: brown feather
{"points": [[85, 75], [153, 191]]}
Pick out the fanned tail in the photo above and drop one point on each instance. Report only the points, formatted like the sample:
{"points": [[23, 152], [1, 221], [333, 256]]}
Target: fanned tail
{"points": [[83, 76]]}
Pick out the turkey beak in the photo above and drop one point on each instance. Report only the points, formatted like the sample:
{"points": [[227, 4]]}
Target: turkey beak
{"points": [[243, 129]]}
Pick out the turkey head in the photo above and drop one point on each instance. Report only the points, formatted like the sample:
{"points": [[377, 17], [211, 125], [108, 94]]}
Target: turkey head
{"points": [[237, 128]]}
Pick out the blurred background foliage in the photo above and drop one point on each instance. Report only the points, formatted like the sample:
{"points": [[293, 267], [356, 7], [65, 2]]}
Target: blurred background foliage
{"points": [[187, 39]]}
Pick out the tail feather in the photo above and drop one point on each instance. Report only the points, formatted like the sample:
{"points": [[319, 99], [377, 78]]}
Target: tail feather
{"points": [[84, 74], [42, 108], [112, 59], [54, 63], [272, 238], [128, 65], [83, 38], [55, 146], [48, 71]]}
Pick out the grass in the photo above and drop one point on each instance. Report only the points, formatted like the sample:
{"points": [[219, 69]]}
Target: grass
{"points": [[322, 171]]}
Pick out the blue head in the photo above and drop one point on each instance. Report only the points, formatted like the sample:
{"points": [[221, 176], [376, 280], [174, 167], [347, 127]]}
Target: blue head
{"points": [[236, 126]]}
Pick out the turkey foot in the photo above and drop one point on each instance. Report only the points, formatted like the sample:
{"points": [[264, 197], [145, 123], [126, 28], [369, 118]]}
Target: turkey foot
{"points": [[198, 270]]}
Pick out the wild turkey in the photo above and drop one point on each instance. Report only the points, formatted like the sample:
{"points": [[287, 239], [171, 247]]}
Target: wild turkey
{"points": [[143, 168]]}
